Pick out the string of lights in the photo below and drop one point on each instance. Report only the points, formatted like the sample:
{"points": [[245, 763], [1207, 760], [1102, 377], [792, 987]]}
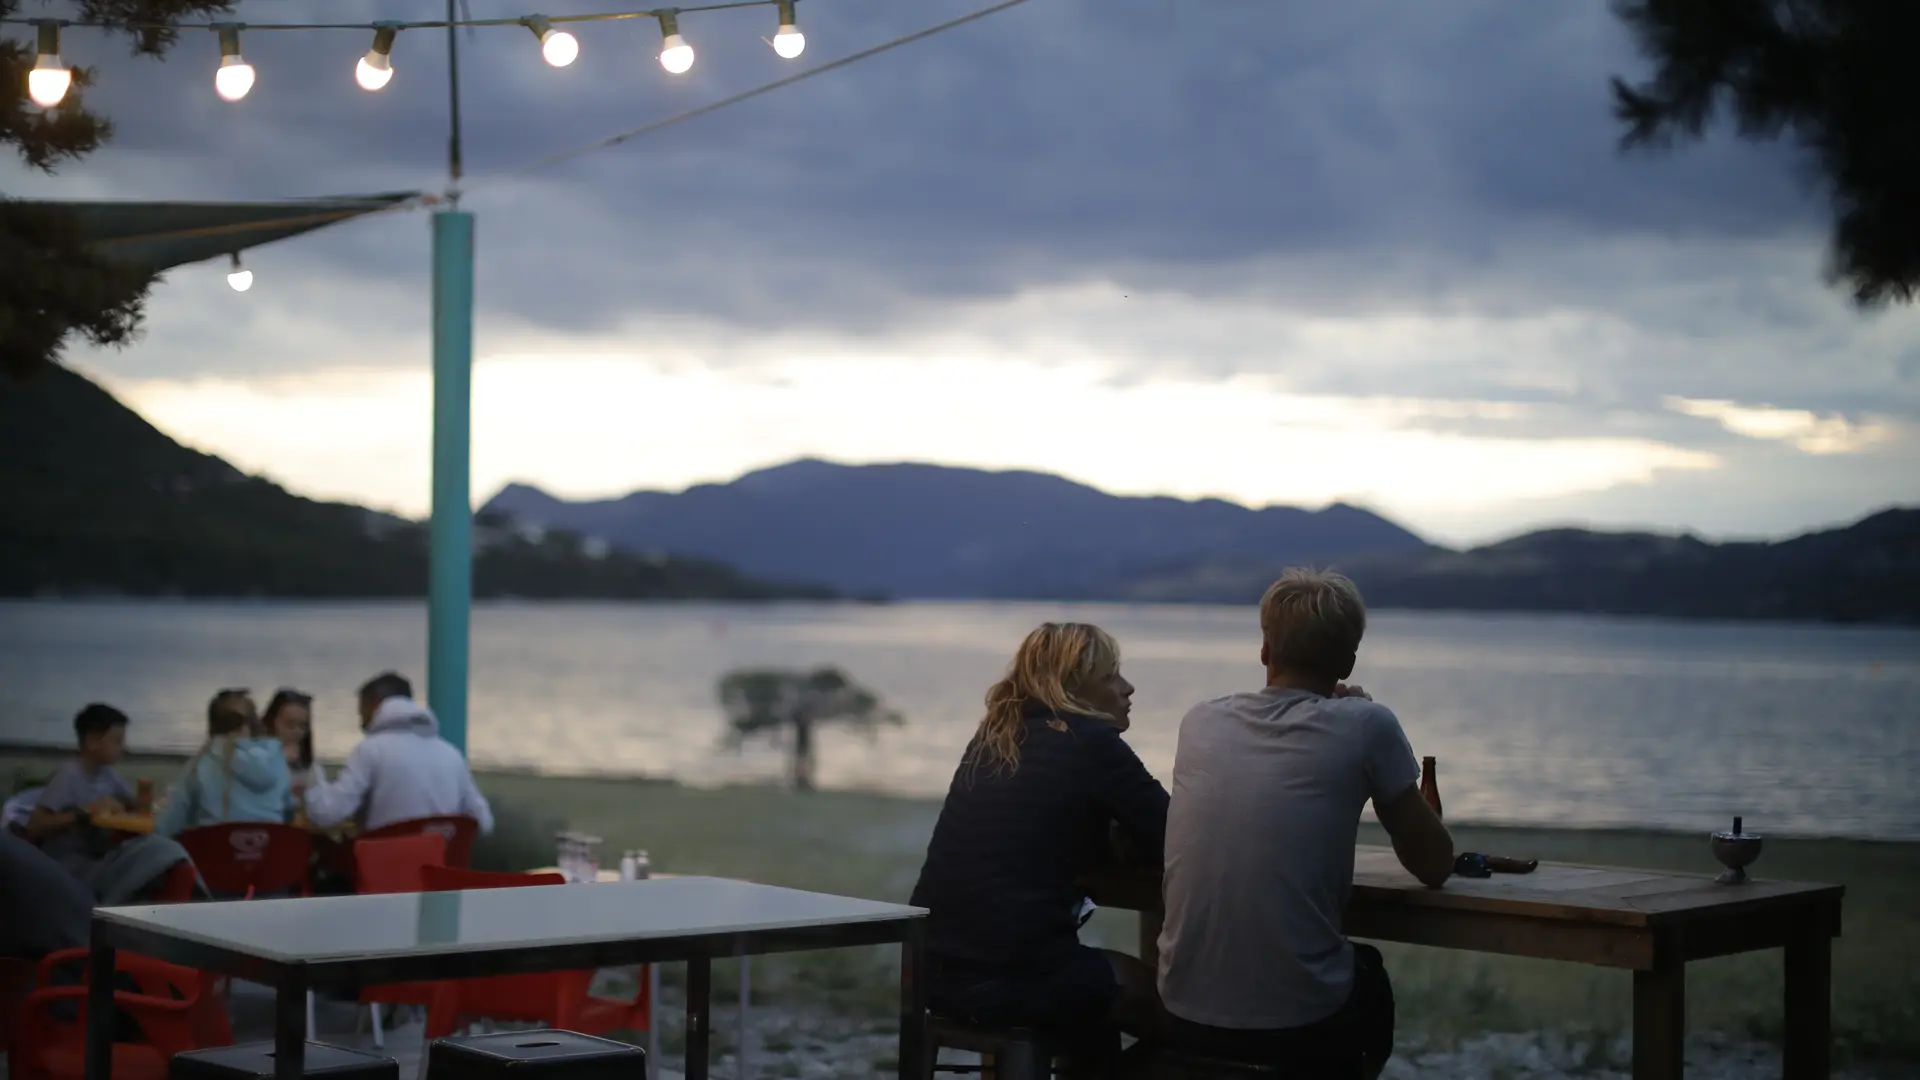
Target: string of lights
{"points": [[50, 78]]}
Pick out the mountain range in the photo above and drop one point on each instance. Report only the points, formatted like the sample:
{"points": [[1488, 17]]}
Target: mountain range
{"points": [[935, 532], [99, 501], [931, 531]]}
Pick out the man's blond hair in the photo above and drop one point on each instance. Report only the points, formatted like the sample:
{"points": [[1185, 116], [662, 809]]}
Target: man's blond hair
{"points": [[1312, 621]]}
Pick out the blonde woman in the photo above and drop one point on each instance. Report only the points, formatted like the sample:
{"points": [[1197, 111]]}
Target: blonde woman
{"points": [[240, 774], [1028, 813]]}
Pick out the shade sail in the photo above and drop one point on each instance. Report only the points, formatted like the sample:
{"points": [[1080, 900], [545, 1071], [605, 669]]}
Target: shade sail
{"points": [[160, 235]]}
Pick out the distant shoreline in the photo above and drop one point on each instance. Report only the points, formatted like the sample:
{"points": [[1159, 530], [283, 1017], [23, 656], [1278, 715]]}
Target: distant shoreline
{"points": [[99, 599]]}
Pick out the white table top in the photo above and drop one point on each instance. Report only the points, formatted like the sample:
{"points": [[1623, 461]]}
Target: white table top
{"points": [[333, 929]]}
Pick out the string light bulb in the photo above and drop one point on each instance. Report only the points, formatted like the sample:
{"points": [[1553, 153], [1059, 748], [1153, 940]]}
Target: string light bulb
{"points": [[789, 42], [375, 70], [48, 82], [234, 79], [557, 47], [239, 278], [675, 54]]}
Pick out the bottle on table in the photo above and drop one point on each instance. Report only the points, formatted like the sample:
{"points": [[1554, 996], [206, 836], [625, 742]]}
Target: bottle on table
{"points": [[1429, 785], [629, 871], [642, 866]]}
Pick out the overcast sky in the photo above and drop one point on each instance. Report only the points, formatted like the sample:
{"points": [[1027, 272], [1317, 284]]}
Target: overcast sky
{"points": [[1281, 251]]}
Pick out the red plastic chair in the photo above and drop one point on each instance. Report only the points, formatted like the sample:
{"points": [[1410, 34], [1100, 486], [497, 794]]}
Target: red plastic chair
{"points": [[249, 858], [394, 864], [458, 832], [559, 999], [178, 884], [176, 1010]]}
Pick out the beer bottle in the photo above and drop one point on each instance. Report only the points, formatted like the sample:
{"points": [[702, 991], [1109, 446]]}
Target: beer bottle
{"points": [[1429, 787]]}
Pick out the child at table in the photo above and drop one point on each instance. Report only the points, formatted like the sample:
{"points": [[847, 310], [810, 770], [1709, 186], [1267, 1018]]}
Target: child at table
{"points": [[85, 786], [240, 773]]}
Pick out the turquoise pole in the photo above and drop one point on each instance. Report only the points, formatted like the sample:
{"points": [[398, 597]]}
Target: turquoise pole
{"points": [[450, 536]]}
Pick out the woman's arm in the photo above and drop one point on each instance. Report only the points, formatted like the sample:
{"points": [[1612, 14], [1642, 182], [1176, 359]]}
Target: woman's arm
{"points": [[1130, 793]]}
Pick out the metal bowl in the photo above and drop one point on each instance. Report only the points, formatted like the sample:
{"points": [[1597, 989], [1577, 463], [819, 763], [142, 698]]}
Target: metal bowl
{"points": [[1736, 851]]}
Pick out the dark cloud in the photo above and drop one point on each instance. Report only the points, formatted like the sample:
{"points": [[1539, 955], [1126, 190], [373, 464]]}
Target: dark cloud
{"points": [[1062, 139]]}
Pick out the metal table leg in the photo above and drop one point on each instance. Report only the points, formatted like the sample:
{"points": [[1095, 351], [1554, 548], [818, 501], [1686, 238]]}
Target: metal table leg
{"points": [[100, 971], [290, 1028], [699, 1012], [913, 1003]]}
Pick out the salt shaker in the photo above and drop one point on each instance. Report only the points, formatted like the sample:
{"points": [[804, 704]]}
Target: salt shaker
{"points": [[641, 867], [629, 867]]}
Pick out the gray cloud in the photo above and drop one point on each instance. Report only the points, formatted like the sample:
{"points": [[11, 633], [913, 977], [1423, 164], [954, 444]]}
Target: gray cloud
{"points": [[1257, 178]]}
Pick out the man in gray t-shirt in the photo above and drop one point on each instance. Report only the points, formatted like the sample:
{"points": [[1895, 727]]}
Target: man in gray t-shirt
{"points": [[1268, 788]]}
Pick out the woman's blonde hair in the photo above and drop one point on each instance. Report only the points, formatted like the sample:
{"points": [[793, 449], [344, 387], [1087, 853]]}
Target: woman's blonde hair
{"points": [[1053, 668]]}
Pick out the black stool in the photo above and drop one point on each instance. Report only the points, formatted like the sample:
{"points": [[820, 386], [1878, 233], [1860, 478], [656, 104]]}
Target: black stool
{"points": [[254, 1061], [1016, 1053], [534, 1055]]}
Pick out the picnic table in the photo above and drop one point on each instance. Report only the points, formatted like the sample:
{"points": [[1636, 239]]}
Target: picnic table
{"points": [[1648, 922], [300, 945]]}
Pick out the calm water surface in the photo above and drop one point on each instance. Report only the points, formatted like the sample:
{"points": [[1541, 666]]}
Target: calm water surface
{"points": [[1554, 720]]}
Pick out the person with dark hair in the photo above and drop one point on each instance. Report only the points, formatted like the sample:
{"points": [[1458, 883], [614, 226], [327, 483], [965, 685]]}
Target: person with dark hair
{"points": [[85, 786], [239, 773], [289, 718], [401, 770]]}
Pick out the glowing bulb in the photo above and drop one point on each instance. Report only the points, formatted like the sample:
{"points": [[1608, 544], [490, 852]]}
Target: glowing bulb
{"points": [[789, 43], [235, 77], [557, 47], [48, 82], [675, 54], [375, 69], [240, 278]]}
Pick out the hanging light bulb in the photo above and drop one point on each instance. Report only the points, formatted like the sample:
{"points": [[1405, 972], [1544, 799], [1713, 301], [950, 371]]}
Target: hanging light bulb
{"points": [[49, 80], [675, 54], [235, 77], [789, 42], [375, 69], [240, 278], [557, 47]]}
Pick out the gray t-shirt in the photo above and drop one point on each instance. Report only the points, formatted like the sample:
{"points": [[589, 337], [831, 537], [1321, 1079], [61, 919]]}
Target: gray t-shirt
{"points": [[1267, 793], [71, 788]]}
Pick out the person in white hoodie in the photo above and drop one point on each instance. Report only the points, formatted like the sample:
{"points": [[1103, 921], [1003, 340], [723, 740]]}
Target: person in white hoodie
{"points": [[401, 770]]}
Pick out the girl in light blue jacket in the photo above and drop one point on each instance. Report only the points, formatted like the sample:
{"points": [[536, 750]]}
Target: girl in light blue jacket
{"points": [[238, 775]]}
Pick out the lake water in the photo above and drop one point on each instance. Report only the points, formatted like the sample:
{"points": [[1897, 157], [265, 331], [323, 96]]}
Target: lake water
{"points": [[1552, 720]]}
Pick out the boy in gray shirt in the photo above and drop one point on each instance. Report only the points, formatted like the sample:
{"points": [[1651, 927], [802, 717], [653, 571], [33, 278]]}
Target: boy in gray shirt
{"points": [[1268, 787]]}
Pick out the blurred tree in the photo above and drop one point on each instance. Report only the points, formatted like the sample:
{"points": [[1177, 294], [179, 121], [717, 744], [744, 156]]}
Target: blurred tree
{"points": [[1836, 75], [763, 701], [50, 284]]}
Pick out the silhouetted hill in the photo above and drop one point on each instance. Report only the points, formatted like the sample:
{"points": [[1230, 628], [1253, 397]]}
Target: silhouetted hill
{"points": [[97, 500], [1865, 572], [911, 530]]}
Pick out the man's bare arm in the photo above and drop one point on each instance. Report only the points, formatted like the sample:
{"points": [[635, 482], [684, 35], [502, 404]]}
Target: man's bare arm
{"points": [[45, 822], [1423, 844]]}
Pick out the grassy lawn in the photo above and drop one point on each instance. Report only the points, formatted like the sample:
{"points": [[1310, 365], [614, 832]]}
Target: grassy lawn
{"points": [[871, 845]]}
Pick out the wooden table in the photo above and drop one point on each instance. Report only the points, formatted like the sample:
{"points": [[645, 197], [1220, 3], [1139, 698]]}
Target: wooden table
{"points": [[1645, 921]]}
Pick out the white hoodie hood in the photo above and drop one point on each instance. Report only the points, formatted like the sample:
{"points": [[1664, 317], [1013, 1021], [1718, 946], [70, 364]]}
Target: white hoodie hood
{"points": [[402, 770]]}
